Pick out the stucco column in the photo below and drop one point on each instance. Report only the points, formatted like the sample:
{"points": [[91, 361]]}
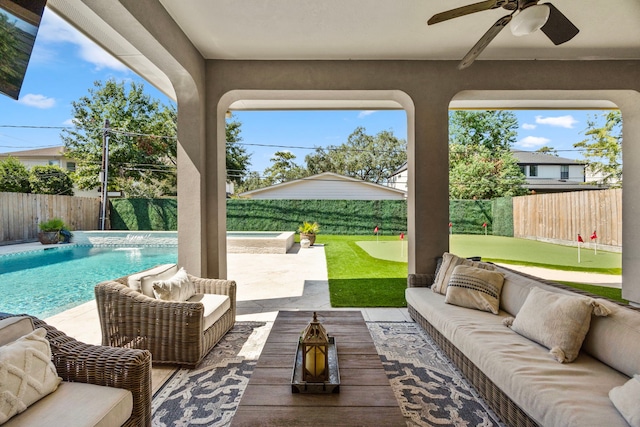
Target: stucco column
{"points": [[428, 199], [630, 106]]}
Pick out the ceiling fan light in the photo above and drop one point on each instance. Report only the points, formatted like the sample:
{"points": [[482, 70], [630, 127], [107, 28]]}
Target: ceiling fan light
{"points": [[529, 20]]}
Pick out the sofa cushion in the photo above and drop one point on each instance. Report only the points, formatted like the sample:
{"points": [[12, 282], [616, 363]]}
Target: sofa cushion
{"points": [[449, 263], [559, 322], [146, 282], [13, 328], [177, 288], [79, 405], [626, 399], [214, 306], [164, 270], [26, 373], [553, 394], [476, 288], [615, 339]]}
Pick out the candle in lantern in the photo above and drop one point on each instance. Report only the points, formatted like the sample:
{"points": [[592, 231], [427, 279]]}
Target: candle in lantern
{"points": [[315, 362]]}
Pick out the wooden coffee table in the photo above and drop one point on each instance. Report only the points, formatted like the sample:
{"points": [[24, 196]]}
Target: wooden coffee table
{"points": [[365, 397]]}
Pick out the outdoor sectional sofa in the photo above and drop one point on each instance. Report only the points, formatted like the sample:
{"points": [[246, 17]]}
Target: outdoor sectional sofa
{"points": [[179, 329], [521, 380]]}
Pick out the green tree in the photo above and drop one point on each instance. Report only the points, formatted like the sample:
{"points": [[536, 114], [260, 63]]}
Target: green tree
{"points": [[548, 150], [142, 144], [475, 172], [10, 54], [368, 157], [493, 129], [14, 176], [283, 169], [603, 147], [50, 179], [238, 161], [253, 181]]}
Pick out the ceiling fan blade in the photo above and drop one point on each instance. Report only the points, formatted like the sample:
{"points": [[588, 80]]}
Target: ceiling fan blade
{"points": [[558, 27], [471, 8], [484, 42]]}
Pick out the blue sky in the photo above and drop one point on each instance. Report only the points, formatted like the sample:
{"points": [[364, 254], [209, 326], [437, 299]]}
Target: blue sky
{"points": [[64, 65]]}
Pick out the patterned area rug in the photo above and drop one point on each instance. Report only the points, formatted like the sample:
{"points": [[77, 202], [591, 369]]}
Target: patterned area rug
{"points": [[429, 389]]}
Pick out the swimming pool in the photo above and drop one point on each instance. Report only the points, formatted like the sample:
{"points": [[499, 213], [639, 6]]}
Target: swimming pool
{"points": [[46, 282]]}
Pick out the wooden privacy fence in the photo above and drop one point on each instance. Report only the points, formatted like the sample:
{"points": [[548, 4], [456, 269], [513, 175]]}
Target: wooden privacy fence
{"points": [[562, 216], [20, 214]]}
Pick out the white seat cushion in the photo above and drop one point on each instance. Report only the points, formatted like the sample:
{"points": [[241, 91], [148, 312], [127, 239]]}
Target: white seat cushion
{"points": [[78, 405], [214, 306]]}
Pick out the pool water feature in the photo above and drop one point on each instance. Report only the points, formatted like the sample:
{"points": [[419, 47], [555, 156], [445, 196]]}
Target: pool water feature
{"points": [[47, 282]]}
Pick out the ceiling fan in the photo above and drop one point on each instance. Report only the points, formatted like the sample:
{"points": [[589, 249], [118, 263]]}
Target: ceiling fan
{"points": [[526, 17]]}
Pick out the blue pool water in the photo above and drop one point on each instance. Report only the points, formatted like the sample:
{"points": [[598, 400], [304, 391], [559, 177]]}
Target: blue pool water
{"points": [[47, 282]]}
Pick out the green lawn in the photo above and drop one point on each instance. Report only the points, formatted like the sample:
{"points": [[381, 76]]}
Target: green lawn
{"points": [[358, 279]]}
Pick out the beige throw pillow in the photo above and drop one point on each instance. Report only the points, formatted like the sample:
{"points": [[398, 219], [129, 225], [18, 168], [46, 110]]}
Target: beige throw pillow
{"points": [[177, 288], [476, 288], [26, 373], [449, 263], [557, 321], [626, 399]]}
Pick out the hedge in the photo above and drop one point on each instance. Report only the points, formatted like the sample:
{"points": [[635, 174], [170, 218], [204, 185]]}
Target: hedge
{"points": [[342, 217]]}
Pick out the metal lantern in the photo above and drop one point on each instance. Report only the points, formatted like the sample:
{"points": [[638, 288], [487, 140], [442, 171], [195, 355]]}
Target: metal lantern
{"points": [[315, 352]]}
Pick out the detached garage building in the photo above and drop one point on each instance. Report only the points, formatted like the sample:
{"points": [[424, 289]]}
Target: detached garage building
{"points": [[327, 186]]}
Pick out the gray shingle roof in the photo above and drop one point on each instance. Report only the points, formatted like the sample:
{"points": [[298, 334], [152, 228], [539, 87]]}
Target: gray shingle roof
{"points": [[536, 158]]}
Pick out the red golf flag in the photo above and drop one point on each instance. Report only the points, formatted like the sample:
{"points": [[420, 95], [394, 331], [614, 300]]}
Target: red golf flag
{"points": [[450, 224], [401, 236], [484, 224], [580, 239], [375, 230], [594, 235]]}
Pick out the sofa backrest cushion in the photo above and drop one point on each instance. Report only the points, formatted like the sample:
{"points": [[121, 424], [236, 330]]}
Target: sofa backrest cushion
{"points": [[143, 280], [615, 339], [176, 288], [13, 328]]}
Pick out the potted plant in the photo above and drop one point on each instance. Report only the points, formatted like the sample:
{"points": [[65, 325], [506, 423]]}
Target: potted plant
{"points": [[50, 231], [308, 230]]}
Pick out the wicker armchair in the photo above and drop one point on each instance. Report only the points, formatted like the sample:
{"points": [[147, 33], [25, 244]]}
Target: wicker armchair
{"points": [[127, 369], [172, 331]]}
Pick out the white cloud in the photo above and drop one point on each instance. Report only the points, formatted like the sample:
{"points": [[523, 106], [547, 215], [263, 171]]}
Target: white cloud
{"points": [[366, 113], [558, 121], [69, 122], [38, 101], [54, 29], [528, 126], [533, 141]]}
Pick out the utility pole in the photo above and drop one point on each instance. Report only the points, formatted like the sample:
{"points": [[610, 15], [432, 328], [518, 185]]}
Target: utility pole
{"points": [[104, 174]]}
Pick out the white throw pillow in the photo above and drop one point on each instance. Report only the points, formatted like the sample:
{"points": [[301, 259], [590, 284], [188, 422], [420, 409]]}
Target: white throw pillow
{"points": [[26, 373], [626, 399], [177, 288], [557, 321], [475, 288]]}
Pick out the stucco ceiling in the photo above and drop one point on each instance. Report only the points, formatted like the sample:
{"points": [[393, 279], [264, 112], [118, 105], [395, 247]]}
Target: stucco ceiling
{"points": [[367, 29], [393, 29]]}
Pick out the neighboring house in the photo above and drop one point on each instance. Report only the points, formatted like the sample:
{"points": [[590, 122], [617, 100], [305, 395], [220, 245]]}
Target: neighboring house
{"points": [[327, 186], [544, 173], [46, 157]]}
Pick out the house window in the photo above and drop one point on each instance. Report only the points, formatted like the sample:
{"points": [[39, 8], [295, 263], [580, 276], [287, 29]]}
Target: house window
{"points": [[533, 170], [54, 163], [522, 170], [564, 172], [71, 166]]}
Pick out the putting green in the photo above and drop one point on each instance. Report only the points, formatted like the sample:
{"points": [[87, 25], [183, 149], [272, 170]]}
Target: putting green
{"points": [[387, 250]]}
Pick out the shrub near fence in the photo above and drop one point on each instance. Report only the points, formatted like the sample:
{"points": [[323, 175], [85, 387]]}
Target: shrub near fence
{"points": [[346, 217], [20, 214], [144, 214]]}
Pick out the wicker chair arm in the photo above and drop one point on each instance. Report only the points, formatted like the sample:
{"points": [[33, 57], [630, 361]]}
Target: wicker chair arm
{"points": [[213, 286]]}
